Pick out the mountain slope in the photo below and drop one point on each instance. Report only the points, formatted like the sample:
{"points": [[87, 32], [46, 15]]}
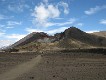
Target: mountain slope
{"points": [[77, 34], [70, 38], [30, 38], [101, 33]]}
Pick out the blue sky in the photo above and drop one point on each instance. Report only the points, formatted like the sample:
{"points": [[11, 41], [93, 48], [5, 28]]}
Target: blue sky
{"points": [[21, 17]]}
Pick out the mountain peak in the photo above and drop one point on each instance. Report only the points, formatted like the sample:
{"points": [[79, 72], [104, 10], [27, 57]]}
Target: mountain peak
{"points": [[71, 33], [73, 29]]}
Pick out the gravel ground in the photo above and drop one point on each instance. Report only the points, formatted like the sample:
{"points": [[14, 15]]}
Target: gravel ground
{"points": [[58, 66]]}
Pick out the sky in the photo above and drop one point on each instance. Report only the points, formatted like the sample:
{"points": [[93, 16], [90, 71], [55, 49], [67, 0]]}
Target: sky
{"points": [[18, 18]]}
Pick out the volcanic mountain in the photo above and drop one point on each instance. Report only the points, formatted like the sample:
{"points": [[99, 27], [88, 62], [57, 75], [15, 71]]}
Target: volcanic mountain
{"points": [[70, 38], [76, 34], [30, 38], [101, 33]]}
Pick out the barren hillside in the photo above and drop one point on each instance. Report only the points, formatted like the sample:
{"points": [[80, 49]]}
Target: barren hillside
{"points": [[70, 38], [101, 33]]}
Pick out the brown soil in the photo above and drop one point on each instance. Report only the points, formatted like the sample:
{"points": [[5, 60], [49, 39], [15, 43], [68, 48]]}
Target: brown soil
{"points": [[57, 66]]}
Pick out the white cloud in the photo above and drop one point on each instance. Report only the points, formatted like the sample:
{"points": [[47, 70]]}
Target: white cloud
{"points": [[65, 6], [70, 21], [15, 36], [9, 27], [8, 39], [4, 43], [44, 12], [79, 24], [45, 1], [103, 21], [3, 17], [9, 24], [95, 10], [50, 32], [91, 31], [1, 34], [1, 26], [2, 31], [59, 18], [13, 8], [12, 23], [18, 7], [30, 30], [58, 30]]}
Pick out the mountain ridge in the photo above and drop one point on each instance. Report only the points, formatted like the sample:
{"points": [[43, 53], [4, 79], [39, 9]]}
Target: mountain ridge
{"points": [[101, 33], [70, 38]]}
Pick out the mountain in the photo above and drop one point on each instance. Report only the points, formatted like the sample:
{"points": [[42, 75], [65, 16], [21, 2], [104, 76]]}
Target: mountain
{"points": [[70, 38], [101, 33], [76, 34], [30, 38]]}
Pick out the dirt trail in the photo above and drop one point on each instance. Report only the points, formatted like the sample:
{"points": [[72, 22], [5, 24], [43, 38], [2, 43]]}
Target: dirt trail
{"points": [[20, 69]]}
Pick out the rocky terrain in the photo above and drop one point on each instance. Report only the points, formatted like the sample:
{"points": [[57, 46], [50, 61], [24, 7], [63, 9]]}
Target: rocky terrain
{"points": [[101, 33], [70, 38], [69, 55], [52, 66]]}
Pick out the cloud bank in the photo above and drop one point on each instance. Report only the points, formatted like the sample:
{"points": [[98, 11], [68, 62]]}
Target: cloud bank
{"points": [[45, 12], [95, 10]]}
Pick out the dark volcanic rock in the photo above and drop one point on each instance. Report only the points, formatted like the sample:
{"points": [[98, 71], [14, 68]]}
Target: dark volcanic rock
{"points": [[30, 38], [74, 34], [77, 34]]}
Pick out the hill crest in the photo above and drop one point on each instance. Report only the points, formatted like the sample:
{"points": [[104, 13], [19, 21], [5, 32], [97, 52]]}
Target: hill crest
{"points": [[70, 38]]}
